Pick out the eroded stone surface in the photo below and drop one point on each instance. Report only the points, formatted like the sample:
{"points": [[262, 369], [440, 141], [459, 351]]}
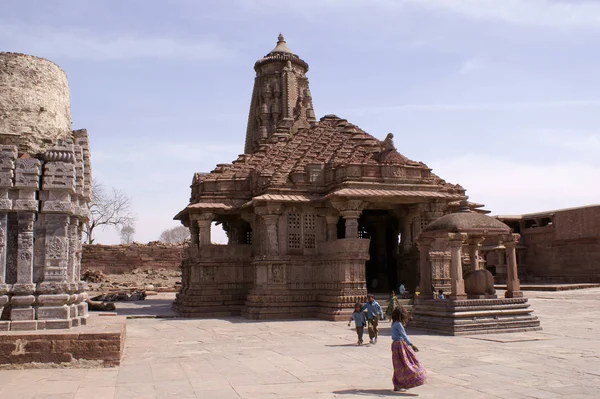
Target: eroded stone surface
{"points": [[34, 102]]}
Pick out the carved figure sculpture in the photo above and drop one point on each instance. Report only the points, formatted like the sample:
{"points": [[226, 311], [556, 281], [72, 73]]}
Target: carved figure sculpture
{"points": [[479, 282]]}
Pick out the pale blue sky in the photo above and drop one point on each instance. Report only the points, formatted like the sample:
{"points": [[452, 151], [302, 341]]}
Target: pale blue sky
{"points": [[501, 96]]}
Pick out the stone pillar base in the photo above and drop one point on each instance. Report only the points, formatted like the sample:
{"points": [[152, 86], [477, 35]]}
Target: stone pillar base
{"points": [[513, 294], [457, 297]]}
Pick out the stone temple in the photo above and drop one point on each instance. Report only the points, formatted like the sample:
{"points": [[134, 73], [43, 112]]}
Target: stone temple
{"points": [[45, 190], [306, 207]]}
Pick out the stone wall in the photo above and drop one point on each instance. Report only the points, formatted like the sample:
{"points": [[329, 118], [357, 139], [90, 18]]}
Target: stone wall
{"points": [[118, 259], [561, 246], [34, 102]]}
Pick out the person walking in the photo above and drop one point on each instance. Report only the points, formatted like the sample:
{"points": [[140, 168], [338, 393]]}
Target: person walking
{"points": [[408, 372], [360, 321], [374, 312]]}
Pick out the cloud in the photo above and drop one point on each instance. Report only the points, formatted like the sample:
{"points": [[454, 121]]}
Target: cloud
{"points": [[471, 65], [83, 44], [516, 187], [535, 13], [468, 107], [531, 13]]}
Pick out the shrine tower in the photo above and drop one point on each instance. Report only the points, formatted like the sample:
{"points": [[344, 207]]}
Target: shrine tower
{"points": [[281, 100]]}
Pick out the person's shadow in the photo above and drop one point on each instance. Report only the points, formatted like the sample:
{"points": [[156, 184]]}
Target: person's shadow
{"points": [[374, 392]]}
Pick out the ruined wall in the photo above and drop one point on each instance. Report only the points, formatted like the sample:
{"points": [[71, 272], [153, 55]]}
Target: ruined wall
{"points": [[564, 248], [118, 259], [34, 102]]}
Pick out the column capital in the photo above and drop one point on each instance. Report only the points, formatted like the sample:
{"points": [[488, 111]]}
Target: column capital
{"points": [[270, 208], [202, 216], [425, 242], [456, 240], [347, 205], [350, 214], [511, 240], [475, 241], [270, 219]]}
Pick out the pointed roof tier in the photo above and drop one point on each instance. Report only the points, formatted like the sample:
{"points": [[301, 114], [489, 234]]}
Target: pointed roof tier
{"points": [[281, 46], [281, 53]]}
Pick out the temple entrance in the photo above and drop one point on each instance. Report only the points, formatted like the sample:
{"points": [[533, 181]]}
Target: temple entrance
{"points": [[382, 268]]}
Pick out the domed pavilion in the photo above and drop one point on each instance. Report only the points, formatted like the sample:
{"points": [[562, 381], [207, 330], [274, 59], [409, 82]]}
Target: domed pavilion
{"points": [[471, 305]]}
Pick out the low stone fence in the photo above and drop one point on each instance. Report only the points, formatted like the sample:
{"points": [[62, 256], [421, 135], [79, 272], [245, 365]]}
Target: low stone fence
{"points": [[119, 259]]}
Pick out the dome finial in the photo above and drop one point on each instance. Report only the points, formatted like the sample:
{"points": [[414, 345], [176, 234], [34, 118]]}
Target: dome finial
{"points": [[281, 46]]}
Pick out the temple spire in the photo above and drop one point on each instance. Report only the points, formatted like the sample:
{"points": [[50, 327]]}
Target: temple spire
{"points": [[281, 100]]}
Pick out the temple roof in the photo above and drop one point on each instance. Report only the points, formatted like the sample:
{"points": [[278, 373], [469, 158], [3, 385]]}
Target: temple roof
{"points": [[332, 141]]}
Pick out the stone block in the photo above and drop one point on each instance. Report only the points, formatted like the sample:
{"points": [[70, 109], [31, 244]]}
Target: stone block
{"points": [[18, 314], [23, 325], [53, 313], [58, 324], [4, 325]]}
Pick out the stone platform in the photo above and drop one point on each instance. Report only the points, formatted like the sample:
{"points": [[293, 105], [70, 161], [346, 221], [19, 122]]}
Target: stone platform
{"points": [[551, 287], [474, 316], [100, 343]]}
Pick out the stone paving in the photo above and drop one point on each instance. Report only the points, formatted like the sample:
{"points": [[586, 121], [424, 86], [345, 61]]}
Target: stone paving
{"points": [[236, 358]]}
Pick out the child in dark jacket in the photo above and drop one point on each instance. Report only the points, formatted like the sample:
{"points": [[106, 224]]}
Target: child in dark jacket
{"points": [[360, 321]]}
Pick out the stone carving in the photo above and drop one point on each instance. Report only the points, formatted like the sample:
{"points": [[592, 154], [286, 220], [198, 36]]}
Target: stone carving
{"points": [[479, 282], [277, 274], [55, 248]]}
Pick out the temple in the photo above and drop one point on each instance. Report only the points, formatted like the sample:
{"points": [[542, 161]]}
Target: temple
{"points": [[316, 212], [45, 190]]}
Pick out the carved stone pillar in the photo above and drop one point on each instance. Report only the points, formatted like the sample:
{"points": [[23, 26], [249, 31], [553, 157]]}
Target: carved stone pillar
{"points": [[271, 230], [513, 285], [332, 227], [351, 222], [456, 276], [72, 274], [474, 246], [4, 288], [23, 289], [204, 230], [194, 234], [54, 290], [424, 245]]}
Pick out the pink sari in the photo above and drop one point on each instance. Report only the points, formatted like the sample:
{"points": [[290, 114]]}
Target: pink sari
{"points": [[408, 372]]}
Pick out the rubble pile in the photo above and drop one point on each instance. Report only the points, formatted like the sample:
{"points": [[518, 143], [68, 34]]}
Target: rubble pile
{"points": [[161, 280]]}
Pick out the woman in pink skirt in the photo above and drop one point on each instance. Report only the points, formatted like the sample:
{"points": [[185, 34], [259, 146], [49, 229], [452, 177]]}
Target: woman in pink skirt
{"points": [[408, 372]]}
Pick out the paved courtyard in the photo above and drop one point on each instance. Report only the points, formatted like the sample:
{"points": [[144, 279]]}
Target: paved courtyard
{"points": [[236, 358]]}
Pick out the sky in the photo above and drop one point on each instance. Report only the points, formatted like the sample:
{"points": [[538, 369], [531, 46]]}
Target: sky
{"points": [[500, 96]]}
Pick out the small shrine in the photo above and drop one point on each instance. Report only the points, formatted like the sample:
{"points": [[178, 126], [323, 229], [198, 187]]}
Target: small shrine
{"points": [[472, 305]]}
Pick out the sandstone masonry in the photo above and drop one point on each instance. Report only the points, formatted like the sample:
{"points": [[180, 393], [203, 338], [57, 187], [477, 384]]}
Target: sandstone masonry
{"points": [[119, 259]]}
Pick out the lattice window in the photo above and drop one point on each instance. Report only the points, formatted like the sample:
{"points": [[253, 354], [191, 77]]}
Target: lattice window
{"points": [[294, 230], [249, 236], [294, 221], [294, 240], [424, 223], [310, 226]]}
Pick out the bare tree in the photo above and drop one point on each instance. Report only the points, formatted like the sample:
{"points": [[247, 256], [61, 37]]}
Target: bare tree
{"points": [[108, 209], [175, 235], [127, 233]]}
